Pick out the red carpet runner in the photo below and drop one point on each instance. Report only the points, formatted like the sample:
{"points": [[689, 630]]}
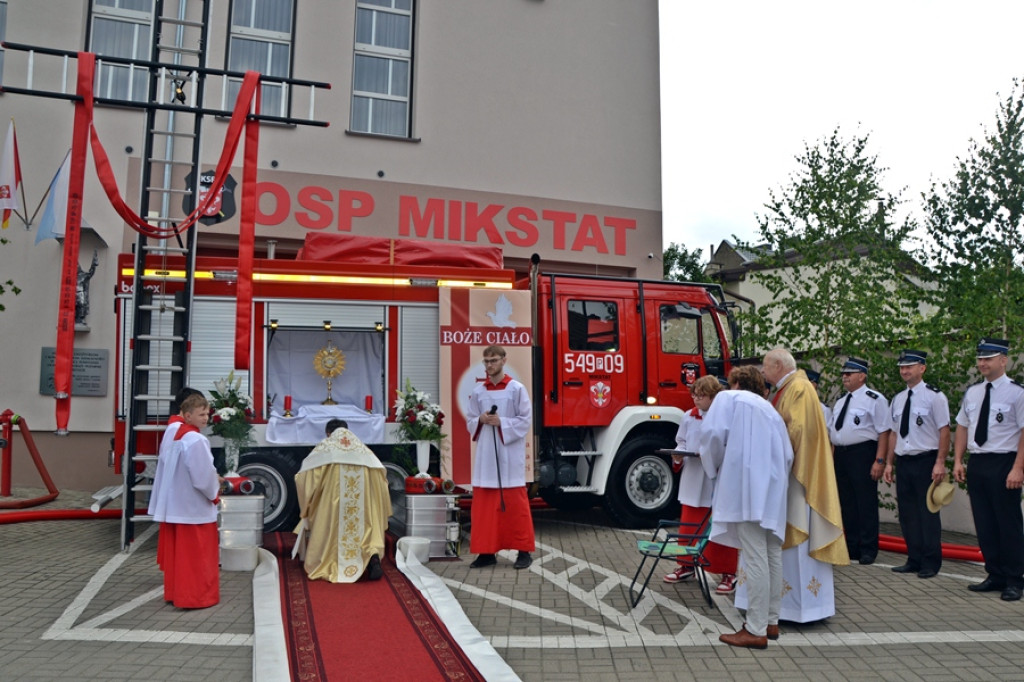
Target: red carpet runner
{"points": [[368, 630]]}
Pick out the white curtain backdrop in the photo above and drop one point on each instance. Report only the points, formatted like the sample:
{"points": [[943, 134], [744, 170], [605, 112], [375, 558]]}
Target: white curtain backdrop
{"points": [[290, 369]]}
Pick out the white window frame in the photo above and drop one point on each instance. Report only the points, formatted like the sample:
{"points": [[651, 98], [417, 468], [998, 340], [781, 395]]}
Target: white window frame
{"points": [[392, 55], [271, 91], [110, 77]]}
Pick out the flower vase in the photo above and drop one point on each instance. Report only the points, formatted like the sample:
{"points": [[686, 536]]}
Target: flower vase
{"points": [[232, 452], [422, 455]]}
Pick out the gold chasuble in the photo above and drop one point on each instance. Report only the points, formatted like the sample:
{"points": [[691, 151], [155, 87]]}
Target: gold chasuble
{"points": [[344, 504], [812, 479]]}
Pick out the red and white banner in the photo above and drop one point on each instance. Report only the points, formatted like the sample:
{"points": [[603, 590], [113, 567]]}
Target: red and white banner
{"points": [[470, 320], [10, 176]]}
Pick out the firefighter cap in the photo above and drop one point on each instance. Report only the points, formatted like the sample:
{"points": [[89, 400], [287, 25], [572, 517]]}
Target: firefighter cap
{"points": [[854, 365], [989, 348], [912, 357]]}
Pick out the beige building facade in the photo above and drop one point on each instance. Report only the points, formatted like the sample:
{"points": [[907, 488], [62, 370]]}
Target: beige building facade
{"points": [[528, 125]]}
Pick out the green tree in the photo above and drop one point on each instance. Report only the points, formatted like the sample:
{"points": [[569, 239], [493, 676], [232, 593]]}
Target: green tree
{"points": [[975, 224], [682, 265], [833, 264]]}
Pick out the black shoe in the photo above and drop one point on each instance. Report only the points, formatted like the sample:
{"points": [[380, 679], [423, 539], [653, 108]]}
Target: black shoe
{"points": [[374, 571], [927, 573], [523, 560], [987, 585], [1011, 593], [867, 559], [483, 560], [905, 568]]}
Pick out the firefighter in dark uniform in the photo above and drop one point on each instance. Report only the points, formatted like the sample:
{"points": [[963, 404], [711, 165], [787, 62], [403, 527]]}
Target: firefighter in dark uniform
{"points": [[859, 433], [918, 445], [990, 426]]}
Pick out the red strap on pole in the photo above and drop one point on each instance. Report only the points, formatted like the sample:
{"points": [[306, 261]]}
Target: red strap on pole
{"points": [[69, 270], [247, 238]]}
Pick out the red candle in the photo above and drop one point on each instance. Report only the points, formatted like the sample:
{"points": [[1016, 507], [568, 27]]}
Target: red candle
{"points": [[287, 403], [368, 401]]}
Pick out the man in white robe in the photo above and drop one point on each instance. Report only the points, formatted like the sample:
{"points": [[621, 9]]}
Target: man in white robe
{"points": [[344, 503], [745, 446], [499, 416]]}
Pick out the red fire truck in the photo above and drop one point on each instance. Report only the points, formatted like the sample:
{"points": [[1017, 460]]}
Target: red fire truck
{"points": [[608, 361]]}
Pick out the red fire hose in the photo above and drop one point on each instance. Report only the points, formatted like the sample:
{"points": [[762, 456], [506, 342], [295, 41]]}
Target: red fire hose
{"points": [[891, 543], [7, 420]]}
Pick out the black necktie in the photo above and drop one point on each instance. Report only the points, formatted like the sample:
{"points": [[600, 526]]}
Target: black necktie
{"points": [[981, 433], [905, 420], [842, 412]]}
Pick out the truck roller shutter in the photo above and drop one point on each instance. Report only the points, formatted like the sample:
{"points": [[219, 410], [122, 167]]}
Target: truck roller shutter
{"points": [[213, 344], [419, 351]]}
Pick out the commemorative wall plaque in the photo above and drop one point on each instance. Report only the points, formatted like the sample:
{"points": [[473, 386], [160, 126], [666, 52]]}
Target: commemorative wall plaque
{"points": [[88, 375]]}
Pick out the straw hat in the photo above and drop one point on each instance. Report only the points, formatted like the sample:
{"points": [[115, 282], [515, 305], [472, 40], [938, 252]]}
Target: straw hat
{"points": [[939, 495]]}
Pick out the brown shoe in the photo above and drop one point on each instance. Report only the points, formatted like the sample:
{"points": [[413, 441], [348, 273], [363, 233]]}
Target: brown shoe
{"points": [[773, 631], [744, 639]]}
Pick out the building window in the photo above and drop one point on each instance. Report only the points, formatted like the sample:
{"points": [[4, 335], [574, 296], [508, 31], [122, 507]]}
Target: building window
{"points": [[382, 67], [261, 40], [121, 28]]}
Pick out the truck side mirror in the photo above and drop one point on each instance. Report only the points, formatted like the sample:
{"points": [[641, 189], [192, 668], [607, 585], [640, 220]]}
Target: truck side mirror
{"points": [[688, 311]]}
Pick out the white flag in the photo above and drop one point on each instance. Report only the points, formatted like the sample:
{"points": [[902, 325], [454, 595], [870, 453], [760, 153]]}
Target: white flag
{"points": [[55, 215], [10, 175]]}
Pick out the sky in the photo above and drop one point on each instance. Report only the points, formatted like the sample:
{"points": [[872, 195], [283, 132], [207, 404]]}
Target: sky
{"points": [[746, 84]]}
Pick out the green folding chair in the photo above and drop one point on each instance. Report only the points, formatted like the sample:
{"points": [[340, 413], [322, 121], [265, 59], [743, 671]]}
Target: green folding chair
{"points": [[665, 544]]}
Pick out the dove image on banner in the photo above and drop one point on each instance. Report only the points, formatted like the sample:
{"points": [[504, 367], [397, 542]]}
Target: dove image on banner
{"points": [[10, 176], [55, 215]]}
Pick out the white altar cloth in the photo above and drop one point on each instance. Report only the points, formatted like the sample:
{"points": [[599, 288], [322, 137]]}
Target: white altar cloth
{"points": [[307, 426]]}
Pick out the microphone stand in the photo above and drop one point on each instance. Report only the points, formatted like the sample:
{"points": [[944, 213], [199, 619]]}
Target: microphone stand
{"points": [[497, 462]]}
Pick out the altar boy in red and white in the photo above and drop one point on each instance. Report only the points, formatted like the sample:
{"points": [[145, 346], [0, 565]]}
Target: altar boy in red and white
{"points": [[499, 415], [184, 502]]}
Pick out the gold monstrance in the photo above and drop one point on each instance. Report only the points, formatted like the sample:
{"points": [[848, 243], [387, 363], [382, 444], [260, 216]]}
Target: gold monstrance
{"points": [[329, 362]]}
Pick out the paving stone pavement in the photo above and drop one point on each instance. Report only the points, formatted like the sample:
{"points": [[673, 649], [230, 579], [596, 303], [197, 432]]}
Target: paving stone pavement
{"points": [[565, 618]]}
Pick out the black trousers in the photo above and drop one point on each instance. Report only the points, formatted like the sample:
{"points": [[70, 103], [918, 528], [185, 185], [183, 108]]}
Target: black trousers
{"points": [[858, 498], [997, 516], [922, 529]]}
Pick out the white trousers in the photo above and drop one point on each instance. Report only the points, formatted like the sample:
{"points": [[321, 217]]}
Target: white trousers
{"points": [[762, 559]]}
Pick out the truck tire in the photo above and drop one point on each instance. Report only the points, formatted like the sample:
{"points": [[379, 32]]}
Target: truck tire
{"points": [[641, 489], [281, 506]]}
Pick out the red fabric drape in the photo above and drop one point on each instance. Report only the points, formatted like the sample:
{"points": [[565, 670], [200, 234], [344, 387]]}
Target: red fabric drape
{"points": [[85, 134]]}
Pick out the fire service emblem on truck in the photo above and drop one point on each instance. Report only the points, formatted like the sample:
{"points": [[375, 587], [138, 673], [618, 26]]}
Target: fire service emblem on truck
{"points": [[600, 393]]}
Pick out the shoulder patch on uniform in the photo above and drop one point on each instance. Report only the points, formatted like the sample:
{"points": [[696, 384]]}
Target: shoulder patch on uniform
{"points": [[872, 395], [931, 387]]}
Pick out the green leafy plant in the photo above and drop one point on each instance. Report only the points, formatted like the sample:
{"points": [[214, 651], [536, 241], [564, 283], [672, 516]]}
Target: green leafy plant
{"points": [[416, 416]]}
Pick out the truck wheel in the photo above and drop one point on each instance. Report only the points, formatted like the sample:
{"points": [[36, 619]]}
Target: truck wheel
{"points": [[560, 499], [641, 489], [281, 504]]}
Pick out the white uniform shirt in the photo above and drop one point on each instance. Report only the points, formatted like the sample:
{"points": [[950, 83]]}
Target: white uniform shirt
{"points": [[827, 411], [867, 417], [696, 489], [1005, 416], [929, 412], [188, 484], [745, 446], [516, 411]]}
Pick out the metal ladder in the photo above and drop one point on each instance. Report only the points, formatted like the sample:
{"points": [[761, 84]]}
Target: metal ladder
{"points": [[164, 269]]}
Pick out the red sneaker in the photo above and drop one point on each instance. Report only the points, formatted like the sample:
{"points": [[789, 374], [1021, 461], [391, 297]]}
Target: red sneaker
{"points": [[679, 575], [727, 586]]}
